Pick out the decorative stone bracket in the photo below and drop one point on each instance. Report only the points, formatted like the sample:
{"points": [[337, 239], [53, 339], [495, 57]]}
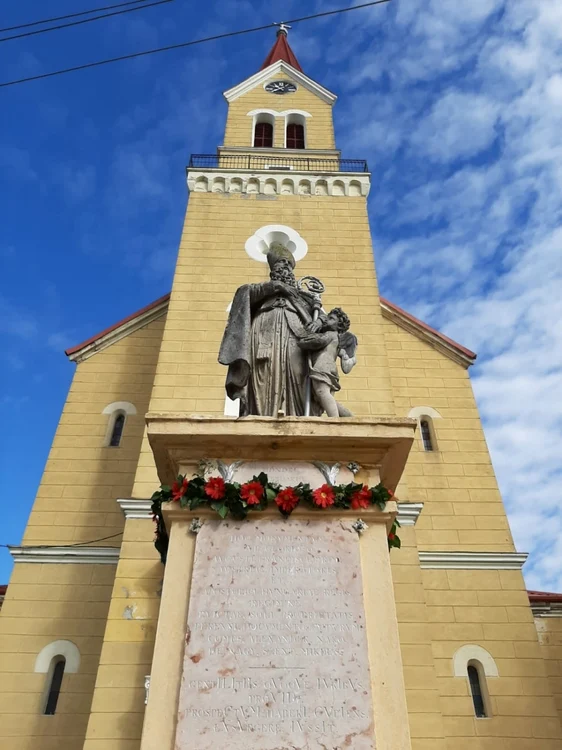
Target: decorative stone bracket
{"points": [[279, 182]]}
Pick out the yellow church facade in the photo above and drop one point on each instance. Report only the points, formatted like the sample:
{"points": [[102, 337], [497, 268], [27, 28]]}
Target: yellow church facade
{"points": [[477, 665]]}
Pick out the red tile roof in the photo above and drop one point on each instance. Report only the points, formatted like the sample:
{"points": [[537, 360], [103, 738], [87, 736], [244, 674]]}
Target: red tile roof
{"points": [[281, 50], [417, 321], [99, 335], [543, 596]]}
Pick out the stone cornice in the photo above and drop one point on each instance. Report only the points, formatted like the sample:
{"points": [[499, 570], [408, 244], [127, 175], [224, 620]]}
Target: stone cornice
{"points": [[472, 560], [408, 513], [75, 555], [134, 508], [272, 182]]}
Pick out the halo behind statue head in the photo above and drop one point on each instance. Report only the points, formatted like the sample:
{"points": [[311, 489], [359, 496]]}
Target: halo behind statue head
{"points": [[277, 251]]}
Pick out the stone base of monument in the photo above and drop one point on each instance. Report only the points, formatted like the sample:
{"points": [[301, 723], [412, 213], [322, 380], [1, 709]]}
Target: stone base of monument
{"points": [[273, 633]]}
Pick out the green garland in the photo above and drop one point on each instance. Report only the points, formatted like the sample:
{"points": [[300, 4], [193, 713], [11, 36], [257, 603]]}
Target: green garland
{"points": [[237, 500]]}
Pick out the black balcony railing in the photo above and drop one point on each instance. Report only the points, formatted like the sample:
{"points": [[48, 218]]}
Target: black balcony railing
{"points": [[279, 163]]}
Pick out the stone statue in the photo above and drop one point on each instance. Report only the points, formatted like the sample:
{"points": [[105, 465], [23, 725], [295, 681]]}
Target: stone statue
{"points": [[333, 340], [264, 345]]}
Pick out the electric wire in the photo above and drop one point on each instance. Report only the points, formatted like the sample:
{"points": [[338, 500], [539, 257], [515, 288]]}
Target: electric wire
{"points": [[51, 546], [84, 20], [69, 15], [181, 45]]}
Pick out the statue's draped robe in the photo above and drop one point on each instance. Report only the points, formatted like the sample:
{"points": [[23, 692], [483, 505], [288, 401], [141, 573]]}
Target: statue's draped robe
{"points": [[267, 369]]}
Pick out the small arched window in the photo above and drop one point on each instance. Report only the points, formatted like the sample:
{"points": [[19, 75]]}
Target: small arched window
{"points": [[56, 674], [478, 698], [263, 135], [426, 435], [117, 429], [295, 135]]}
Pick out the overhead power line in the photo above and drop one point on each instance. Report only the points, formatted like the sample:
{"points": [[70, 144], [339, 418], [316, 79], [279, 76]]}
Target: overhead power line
{"points": [[187, 44], [69, 15], [76, 544], [142, 6]]}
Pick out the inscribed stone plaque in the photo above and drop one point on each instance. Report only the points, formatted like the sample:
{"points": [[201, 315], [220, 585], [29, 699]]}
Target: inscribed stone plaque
{"points": [[276, 655]]}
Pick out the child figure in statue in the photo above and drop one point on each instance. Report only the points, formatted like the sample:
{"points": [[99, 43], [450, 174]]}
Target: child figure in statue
{"points": [[331, 341]]}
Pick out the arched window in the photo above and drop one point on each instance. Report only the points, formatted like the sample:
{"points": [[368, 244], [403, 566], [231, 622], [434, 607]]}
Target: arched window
{"points": [[295, 135], [477, 666], [263, 135], [117, 412], [56, 674], [476, 691], [427, 439], [117, 429]]}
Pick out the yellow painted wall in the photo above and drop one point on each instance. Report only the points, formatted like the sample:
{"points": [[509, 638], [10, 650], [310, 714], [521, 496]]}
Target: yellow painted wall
{"points": [[76, 502], [171, 365], [549, 630], [319, 128]]}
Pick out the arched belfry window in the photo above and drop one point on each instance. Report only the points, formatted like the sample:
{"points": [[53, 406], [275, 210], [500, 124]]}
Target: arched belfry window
{"points": [[426, 436], [295, 135], [56, 674], [263, 135], [476, 691], [117, 429]]}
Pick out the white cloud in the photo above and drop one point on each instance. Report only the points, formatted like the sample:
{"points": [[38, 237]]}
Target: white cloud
{"points": [[459, 108], [458, 126]]}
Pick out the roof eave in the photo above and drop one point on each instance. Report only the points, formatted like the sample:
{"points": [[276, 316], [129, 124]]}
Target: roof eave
{"points": [[279, 67], [437, 340]]}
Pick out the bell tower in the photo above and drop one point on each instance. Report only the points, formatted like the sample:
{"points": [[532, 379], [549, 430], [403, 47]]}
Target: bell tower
{"points": [[278, 176]]}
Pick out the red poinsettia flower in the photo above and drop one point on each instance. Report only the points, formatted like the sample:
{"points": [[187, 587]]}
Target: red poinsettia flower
{"points": [[252, 492], [324, 496], [362, 498], [391, 537], [179, 490], [287, 500], [390, 492], [215, 488]]}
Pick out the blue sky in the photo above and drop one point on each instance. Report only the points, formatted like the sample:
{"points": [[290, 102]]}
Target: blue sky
{"points": [[458, 109]]}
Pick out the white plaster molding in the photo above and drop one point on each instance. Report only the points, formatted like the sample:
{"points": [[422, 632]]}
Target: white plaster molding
{"points": [[546, 609], [136, 508], [408, 513], [258, 244], [473, 560], [116, 334], [424, 411], [301, 112], [124, 406], [57, 555], [58, 648], [277, 181], [263, 111], [280, 66], [469, 653]]}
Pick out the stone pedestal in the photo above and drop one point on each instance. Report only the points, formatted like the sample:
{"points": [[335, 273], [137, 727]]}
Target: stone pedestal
{"points": [[279, 633]]}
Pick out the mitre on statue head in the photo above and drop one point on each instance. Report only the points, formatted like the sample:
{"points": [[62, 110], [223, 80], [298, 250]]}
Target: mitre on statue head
{"points": [[277, 251]]}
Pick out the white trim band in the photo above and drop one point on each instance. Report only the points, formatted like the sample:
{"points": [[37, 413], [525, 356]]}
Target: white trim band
{"points": [[473, 560], [134, 508], [408, 513], [275, 181], [83, 555]]}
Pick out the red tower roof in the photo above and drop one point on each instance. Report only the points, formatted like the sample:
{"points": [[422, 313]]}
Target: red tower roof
{"points": [[281, 50]]}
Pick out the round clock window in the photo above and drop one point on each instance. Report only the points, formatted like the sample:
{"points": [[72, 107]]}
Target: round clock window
{"points": [[280, 87]]}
